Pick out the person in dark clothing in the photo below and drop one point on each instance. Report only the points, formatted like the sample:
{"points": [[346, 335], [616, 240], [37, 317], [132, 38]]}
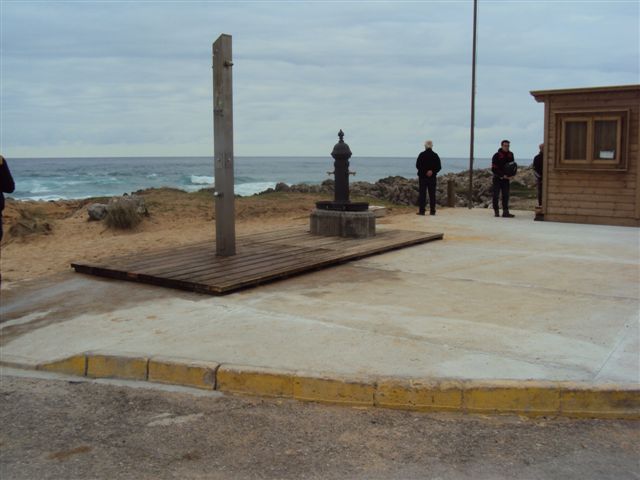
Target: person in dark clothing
{"points": [[428, 165], [500, 178], [538, 161], [7, 185]]}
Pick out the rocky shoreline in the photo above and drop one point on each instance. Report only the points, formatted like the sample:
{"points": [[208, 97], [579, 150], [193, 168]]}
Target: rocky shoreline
{"points": [[404, 191]]}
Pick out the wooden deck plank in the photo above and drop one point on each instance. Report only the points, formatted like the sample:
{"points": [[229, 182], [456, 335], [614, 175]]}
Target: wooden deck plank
{"points": [[272, 257], [199, 257], [307, 258], [247, 255], [243, 264], [246, 242], [329, 258], [260, 258], [134, 260], [262, 269], [195, 265], [198, 260], [155, 253], [142, 260]]}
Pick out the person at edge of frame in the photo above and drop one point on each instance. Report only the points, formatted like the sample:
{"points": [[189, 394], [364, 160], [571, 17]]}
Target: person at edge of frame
{"points": [[538, 161], [428, 165], [500, 178], [7, 185]]}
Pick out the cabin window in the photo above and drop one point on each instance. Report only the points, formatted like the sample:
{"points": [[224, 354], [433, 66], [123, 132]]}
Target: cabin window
{"points": [[592, 140], [575, 145], [605, 139]]}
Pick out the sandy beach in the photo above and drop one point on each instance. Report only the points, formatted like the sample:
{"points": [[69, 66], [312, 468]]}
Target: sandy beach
{"points": [[43, 238]]}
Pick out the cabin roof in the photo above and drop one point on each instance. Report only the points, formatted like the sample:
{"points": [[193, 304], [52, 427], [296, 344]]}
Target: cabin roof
{"points": [[540, 95]]}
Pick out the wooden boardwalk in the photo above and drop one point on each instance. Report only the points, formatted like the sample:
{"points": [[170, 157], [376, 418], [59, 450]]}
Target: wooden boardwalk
{"points": [[260, 258]]}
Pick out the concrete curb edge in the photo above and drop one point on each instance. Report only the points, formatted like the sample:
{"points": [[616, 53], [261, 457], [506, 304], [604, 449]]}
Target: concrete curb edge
{"points": [[526, 397]]}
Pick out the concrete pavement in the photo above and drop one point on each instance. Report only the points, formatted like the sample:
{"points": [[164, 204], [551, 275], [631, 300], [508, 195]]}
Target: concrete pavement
{"points": [[497, 301]]}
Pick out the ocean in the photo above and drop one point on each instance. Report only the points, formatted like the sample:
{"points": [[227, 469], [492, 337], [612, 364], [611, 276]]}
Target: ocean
{"points": [[76, 178]]}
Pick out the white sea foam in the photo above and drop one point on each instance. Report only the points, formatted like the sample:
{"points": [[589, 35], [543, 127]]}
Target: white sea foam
{"points": [[201, 180], [38, 187], [242, 189], [55, 198], [44, 198], [247, 189]]}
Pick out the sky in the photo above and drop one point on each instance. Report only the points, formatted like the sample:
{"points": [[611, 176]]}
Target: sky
{"points": [[134, 78]]}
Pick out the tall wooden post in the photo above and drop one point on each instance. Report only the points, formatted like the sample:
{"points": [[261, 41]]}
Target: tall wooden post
{"points": [[223, 146]]}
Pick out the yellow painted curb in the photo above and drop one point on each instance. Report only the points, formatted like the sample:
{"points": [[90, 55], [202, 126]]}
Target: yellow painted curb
{"points": [[254, 381], [76, 365], [600, 402], [532, 398], [183, 372], [518, 397], [117, 366], [419, 395], [327, 390]]}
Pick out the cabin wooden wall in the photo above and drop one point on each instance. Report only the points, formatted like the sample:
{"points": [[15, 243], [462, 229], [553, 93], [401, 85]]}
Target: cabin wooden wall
{"points": [[600, 197]]}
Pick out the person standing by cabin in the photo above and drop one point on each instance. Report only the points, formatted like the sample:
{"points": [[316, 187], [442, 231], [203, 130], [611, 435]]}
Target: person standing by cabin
{"points": [[501, 179], [428, 165], [7, 185], [538, 161]]}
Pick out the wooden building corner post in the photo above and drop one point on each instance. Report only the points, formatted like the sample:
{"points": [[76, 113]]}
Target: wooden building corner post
{"points": [[223, 146]]}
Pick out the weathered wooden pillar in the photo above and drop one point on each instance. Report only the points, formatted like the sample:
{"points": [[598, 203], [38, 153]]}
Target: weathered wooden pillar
{"points": [[451, 193], [223, 146]]}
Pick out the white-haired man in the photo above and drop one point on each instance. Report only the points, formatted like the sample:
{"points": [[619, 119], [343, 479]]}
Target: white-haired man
{"points": [[428, 165]]}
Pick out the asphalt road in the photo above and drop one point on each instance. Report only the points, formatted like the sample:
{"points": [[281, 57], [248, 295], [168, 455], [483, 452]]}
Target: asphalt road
{"points": [[64, 428]]}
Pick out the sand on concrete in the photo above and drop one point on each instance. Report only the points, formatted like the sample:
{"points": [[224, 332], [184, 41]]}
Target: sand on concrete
{"points": [[43, 238]]}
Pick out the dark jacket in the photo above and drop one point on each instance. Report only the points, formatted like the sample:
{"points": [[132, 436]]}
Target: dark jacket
{"points": [[537, 164], [499, 160], [428, 160], [6, 182]]}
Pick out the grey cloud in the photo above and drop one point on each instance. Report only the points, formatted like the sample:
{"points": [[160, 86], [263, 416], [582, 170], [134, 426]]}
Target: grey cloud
{"points": [[112, 74]]}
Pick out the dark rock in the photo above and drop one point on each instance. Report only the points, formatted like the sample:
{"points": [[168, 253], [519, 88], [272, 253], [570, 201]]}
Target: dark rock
{"points": [[404, 191], [97, 211], [134, 201]]}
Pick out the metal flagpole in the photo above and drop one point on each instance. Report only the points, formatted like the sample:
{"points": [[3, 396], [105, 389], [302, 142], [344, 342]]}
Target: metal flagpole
{"points": [[473, 103]]}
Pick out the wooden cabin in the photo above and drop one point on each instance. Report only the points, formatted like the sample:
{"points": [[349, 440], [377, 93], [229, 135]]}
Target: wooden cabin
{"points": [[591, 168]]}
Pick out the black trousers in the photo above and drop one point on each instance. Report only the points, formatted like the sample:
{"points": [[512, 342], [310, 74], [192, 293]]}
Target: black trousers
{"points": [[500, 186], [539, 189], [427, 184]]}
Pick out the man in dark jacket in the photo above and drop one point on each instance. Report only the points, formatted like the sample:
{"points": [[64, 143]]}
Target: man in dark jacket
{"points": [[428, 165], [538, 160], [501, 179], [6, 186]]}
